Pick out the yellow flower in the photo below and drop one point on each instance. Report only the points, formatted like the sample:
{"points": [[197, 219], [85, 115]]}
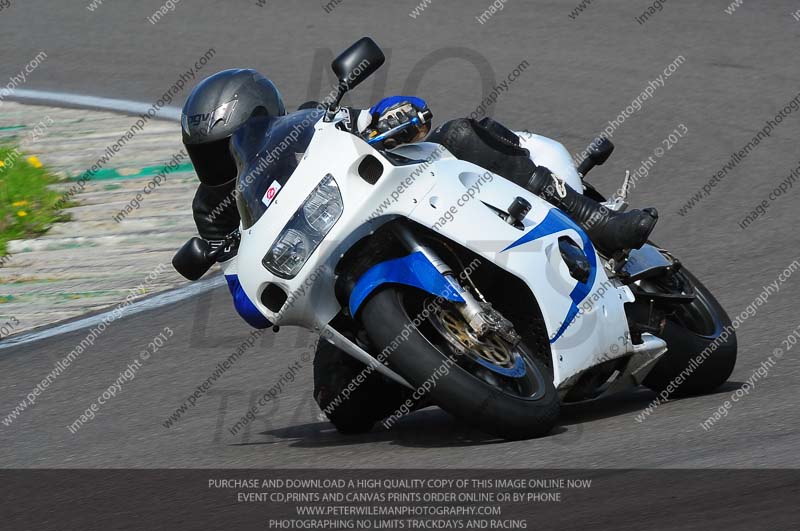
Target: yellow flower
{"points": [[33, 161], [19, 203], [22, 213], [2, 163]]}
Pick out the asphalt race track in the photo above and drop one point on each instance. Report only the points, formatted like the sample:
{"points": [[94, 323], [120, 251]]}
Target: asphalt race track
{"points": [[738, 71]]}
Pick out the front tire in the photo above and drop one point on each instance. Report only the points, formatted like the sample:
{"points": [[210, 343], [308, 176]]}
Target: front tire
{"points": [[420, 354]]}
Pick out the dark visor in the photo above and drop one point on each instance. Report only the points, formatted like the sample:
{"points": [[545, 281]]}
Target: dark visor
{"points": [[213, 162]]}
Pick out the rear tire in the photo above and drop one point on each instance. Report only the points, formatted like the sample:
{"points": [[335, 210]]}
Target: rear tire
{"points": [[688, 334], [459, 392]]}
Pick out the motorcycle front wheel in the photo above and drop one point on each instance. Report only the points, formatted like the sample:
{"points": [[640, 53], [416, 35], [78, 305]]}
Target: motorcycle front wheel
{"points": [[497, 387]]}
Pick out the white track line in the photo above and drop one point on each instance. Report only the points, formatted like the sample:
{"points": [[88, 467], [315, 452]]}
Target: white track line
{"points": [[162, 299], [156, 301], [92, 102]]}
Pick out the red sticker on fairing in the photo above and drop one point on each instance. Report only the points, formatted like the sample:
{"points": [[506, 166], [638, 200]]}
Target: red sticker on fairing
{"points": [[272, 191]]}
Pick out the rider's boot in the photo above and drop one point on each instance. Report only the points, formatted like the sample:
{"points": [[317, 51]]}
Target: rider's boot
{"points": [[611, 231]]}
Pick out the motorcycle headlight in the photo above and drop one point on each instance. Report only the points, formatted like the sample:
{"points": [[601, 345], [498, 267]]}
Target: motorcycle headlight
{"points": [[288, 254], [324, 206], [307, 228]]}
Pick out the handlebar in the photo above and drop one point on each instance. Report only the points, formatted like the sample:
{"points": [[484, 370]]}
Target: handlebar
{"points": [[422, 119]]}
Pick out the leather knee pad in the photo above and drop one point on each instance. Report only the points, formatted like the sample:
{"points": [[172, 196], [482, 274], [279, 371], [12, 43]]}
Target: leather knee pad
{"points": [[486, 144]]}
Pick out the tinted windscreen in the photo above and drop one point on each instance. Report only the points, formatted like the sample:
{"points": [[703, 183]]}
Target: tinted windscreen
{"points": [[267, 151]]}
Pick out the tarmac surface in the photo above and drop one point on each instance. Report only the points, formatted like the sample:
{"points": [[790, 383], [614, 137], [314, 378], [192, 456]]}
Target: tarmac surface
{"points": [[738, 71]]}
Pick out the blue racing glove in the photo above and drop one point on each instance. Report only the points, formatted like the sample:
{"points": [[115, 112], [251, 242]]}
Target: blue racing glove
{"points": [[399, 120]]}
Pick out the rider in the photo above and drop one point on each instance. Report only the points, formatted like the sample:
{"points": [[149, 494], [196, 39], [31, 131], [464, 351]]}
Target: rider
{"points": [[222, 103]]}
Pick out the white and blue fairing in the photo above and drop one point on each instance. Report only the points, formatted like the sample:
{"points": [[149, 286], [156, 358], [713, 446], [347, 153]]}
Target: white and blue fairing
{"points": [[574, 311], [583, 319]]}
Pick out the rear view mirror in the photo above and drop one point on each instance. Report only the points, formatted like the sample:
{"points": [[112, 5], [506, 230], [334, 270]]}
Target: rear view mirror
{"points": [[192, 261], [357, 63]]}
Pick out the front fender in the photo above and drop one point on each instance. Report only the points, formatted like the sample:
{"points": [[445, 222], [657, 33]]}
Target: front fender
{"points": [[413, 270]]}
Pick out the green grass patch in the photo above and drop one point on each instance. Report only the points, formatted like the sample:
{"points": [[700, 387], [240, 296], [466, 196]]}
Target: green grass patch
{"points": [[27, 205]]}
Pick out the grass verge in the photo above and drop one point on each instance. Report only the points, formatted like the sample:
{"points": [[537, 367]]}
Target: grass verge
{"points": [[27, 205]]}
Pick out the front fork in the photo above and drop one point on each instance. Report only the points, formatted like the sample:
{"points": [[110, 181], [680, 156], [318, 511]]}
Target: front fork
{"points": [[479, 314]]}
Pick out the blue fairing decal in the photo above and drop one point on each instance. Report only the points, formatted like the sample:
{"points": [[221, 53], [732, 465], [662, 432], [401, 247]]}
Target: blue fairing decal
{"points": [[556, 221], [412, 270], [244, 306]]}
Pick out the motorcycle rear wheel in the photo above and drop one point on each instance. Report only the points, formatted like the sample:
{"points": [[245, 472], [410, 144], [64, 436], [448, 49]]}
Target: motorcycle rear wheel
{"points": [[696, 328]]}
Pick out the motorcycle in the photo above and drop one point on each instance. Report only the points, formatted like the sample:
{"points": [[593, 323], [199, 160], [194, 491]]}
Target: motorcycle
{"points": [[453, 282]]}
